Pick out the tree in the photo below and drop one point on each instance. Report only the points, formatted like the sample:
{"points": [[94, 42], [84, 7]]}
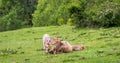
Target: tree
{"points": [[15, 14]]}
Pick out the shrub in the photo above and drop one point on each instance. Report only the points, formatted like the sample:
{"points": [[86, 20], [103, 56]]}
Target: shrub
{"points": [[96, 13], [60, 21], [78, 14], [9, 22], [70, 21], [16, 14], [109, 14], [49, 12]]}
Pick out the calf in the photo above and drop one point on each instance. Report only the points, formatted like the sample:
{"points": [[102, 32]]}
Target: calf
{"points": [[64, 46], [60, 46]]}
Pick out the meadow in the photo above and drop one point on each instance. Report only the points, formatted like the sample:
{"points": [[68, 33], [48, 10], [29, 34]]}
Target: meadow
{"points": [[25, 45]]}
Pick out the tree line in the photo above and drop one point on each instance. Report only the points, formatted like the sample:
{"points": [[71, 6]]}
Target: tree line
{"points": [[15, 14]]}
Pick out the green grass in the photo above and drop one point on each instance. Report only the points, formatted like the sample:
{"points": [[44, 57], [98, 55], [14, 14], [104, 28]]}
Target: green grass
{"points": [[24, 45]]}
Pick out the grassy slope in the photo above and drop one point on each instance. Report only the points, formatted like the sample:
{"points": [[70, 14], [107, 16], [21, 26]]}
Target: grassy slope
{"points": [[103, 45]]}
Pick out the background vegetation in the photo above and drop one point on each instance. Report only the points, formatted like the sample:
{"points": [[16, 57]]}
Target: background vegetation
{"points": [[15, 14], [81, 13]]}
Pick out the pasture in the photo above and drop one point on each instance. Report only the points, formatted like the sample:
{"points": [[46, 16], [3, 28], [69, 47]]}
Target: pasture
{"points": [[25, 45]]}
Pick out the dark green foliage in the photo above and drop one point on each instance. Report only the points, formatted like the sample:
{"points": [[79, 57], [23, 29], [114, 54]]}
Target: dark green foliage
{"points": [[10, 22], [78, 14], [81, 13], [97, 13], [109, 14], [49, 12], [16, 14]]}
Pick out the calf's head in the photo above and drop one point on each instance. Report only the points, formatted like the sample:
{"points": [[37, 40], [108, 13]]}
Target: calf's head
{"points": [[55, 40]]}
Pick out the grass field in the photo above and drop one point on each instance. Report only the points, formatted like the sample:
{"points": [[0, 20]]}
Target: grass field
{"points": [[25, 45]]}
